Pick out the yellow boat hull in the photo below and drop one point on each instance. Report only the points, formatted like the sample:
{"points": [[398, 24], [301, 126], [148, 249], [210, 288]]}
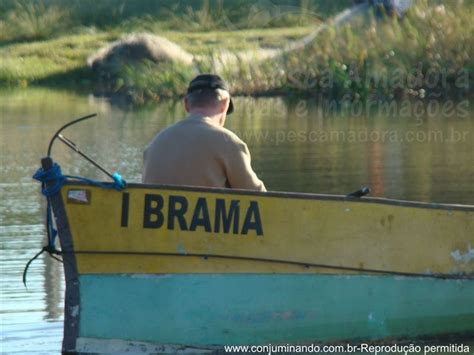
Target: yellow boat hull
{"points": [[242, 232]]}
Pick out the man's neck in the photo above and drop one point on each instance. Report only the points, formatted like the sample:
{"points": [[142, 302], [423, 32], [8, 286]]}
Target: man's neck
{"points": [[214, 119]]}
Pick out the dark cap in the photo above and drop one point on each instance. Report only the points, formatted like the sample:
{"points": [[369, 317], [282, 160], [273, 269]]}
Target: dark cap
{"points": [[210, 81]]}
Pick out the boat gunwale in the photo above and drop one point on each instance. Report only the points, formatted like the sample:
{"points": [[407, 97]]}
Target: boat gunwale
{"points": [[296, 195]]}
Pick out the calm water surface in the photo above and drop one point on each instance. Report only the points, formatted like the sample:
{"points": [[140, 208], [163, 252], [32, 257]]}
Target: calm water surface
{"points": [[295, 147]]}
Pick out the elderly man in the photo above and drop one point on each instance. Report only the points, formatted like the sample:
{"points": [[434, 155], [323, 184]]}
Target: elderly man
{"points": [[198, 150]]}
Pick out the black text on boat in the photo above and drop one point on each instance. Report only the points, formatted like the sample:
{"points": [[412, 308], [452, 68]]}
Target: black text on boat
{"points": [[176, 212]]}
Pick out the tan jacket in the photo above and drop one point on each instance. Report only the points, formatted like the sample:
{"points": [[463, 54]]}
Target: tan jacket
{"points": [[197, 152]]}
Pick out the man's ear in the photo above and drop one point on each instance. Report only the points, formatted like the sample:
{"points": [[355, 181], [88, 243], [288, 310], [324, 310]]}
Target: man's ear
{"points": [[225, 105], [186, 104]]}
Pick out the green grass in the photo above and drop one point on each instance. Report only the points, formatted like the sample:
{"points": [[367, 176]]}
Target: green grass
{"points": [[51, 60], [32, 62]]}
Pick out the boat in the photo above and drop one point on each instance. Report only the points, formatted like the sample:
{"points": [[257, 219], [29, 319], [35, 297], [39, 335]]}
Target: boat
{"points": [[179, 268]]}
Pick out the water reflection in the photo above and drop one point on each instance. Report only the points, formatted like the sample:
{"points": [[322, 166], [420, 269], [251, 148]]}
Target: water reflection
{"points": [[53, 290], [295, 147]]}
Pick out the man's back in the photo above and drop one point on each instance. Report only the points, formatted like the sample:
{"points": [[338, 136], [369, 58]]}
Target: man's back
{"points": [[199, 153]]}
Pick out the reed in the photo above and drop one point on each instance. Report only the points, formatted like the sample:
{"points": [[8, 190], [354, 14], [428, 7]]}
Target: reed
{"points": [[34, 20]]}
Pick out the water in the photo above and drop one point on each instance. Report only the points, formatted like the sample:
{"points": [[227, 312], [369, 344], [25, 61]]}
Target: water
{"points": [[295, 146]]}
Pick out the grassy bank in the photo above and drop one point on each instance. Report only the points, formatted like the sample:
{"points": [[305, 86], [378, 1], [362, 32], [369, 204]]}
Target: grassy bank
{"points": [[427, 54], [62, 61]]}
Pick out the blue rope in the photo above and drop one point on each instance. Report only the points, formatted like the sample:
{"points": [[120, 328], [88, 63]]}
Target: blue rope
{"points": [[119, 183], [55, 174]]}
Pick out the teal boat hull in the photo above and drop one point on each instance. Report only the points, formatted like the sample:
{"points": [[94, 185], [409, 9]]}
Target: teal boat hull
{"points": [[226, 309]]}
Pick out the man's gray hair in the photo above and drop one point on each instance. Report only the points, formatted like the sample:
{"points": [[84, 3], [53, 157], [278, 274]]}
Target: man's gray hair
{"points": [[206, 98]]}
